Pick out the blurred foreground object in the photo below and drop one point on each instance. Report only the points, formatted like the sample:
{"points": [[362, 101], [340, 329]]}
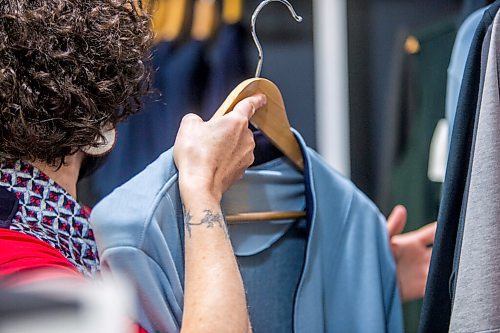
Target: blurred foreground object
{"points": [[65, 306]]}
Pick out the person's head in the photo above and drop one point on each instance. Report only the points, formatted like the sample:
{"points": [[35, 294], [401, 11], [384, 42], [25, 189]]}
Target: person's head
{"points": [[68, 69]]}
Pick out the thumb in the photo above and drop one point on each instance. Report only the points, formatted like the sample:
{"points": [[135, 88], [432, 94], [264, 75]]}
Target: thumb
{"points": [[397, 220], [249, 105]]}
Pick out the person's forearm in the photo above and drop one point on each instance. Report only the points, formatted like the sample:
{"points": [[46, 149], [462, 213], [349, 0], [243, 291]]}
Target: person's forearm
{"points": [[214, 298]]}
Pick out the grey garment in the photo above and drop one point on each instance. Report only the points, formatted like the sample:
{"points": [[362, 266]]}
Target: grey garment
{"points": [[461, 224], [476, 305]]}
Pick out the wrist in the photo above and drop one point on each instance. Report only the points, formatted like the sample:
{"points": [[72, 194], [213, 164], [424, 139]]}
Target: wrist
{"points": [[193, 195]]}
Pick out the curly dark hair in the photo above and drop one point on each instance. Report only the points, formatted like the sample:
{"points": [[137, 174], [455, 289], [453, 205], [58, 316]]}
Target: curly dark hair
{"points": [[67, 69]]}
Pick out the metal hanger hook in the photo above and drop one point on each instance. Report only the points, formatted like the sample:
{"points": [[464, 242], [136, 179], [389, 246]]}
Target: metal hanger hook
{"points": [[254, 33]]}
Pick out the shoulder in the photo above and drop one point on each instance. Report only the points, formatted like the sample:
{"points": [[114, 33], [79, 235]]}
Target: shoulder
{"points": [[124, 216], [21, 255]]}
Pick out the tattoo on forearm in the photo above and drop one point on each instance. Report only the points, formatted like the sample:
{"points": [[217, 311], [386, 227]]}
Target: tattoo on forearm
{"points": [[187, 221], [209, 219]]}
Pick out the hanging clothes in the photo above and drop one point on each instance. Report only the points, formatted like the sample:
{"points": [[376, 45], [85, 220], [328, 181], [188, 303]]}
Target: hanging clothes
{"points": [[341, 260], [476, 302], [417, 105], [457, 63], [180, 80], [273, 252], [228, 66], [470, 6], [185, 81], [409, 184], [436, 309], [141, 138]]}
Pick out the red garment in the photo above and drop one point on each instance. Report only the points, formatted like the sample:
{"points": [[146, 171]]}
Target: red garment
{"points": [[21, 254], [25, 259]]}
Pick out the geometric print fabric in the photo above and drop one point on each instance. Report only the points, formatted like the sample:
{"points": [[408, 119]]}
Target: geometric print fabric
{"points": [[50, 214]]}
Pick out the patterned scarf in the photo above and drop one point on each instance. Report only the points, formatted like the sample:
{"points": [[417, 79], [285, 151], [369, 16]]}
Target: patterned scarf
{"points": [[49, 213]]}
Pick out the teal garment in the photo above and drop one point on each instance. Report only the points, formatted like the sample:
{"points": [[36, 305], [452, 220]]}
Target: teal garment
{"points": [[427, 76], [346, 281]]}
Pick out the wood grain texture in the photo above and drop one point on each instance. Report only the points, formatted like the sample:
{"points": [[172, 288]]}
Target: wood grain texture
{"points": [[271, 119], [273, 122], [264, 217]]}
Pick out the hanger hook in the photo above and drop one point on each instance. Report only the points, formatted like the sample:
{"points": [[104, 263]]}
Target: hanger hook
{"points": [[254, 33]]}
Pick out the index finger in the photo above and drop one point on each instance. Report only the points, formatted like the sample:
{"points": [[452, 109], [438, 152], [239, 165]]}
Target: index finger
{"points": [[247, 107]]}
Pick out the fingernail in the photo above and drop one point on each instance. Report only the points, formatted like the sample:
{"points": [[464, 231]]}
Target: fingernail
{"points": [[263, 100]]}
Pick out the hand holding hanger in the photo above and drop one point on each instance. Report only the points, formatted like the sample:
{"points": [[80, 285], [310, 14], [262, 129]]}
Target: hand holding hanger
{"points": [[271, 120], [215, 159]]}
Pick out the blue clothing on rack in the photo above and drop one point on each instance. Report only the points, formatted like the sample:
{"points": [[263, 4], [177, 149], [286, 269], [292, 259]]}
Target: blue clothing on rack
{"points": [[457, 63], [340, 276]]}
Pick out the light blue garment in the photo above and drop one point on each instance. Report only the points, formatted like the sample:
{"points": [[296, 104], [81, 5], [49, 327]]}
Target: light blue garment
{"points": [[347, 282], [456, 68]]}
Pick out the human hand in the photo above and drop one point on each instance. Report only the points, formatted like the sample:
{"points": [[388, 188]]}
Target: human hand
{"points": [[212, 155], [411, 252]]}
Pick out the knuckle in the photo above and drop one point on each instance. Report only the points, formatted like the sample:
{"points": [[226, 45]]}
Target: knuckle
{"points": [[242, 120], [245, 103], [252, 144], [239, 121], [251, 159], [246, 106], [249, 135], [190, 117]]}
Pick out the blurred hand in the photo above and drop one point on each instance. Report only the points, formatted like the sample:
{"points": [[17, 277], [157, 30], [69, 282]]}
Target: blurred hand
{"points": [[411, 252], [212, 155]]}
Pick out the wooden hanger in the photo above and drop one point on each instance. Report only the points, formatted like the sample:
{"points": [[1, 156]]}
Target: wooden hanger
{"points": [[168, 19], [232, 11], [158, 10], [271, 120], [204, 19]]}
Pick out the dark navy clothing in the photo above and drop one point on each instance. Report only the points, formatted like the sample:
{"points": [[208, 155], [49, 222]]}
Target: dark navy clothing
{"points": [[183, 83], [140, 138], [228, 66], [436, 310], [178, 81], [185, 80], [470, 6]]}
